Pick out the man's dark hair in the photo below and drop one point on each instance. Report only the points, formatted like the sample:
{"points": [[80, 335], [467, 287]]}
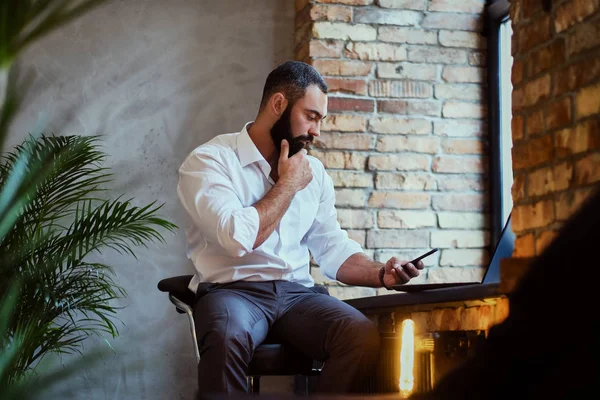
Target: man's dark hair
{"points": [[292, 78]]}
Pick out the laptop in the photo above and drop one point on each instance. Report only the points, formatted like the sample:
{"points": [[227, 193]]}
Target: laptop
{"points": [[504, 248]]}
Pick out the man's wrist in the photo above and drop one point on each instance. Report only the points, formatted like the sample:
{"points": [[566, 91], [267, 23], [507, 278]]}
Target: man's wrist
{"points": [[381, 274]]}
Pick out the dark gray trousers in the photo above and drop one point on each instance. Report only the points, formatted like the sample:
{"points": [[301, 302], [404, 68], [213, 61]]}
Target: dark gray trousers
{"points": [[233, 319]]}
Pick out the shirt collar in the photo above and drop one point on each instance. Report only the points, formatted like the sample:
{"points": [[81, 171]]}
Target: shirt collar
{"points": [[247, 150]]}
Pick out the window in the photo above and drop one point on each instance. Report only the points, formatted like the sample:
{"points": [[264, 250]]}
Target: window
{"points": [[505, 62], [499, 63]]}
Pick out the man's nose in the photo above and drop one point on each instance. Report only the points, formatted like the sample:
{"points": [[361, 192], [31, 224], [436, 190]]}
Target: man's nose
{"points": [[315, 130]]}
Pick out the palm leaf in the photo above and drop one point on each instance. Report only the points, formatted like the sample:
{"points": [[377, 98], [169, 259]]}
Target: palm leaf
{"points": [[64, 298]]}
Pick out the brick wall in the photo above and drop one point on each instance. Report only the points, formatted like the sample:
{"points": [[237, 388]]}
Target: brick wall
{"points": [[405, 142], [556, 110]]}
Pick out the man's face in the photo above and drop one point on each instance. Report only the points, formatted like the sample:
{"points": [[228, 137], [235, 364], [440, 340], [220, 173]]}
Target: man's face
{"points": [[300, 123]]}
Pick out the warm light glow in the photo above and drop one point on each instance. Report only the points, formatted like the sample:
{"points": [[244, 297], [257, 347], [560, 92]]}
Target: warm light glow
{"points": [[407, 358]]}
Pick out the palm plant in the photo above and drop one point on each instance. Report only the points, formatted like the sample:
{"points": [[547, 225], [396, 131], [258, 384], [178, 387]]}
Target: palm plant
{"points": [[52, 216], [63, 298]]}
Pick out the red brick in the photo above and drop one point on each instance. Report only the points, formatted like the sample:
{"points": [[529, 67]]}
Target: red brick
{"points": [[406, 35], [351, 179], [550, 179], [424, 107], [406, 70], [534, 33], [524, 246], [437, 55], [587, 169], [471, 40], [517, 125], [459, 91], [404, 181], [452, 183], [531, 216], [459, 109], [346, 141], [478, 58], [459, 202], [345, 123], [585, 136], [351, 86], [342, 30], [466, 6], [546, 57], [463, 74], [558, 113], [343, 67], [536, 151], [532, 93], [406, 219], [355, 219], [408, 143], [399, 162], [459, 164], [587, 101], [400, 200], [572, 12], [340, 160], [403, 4], [358, 236], [515, 12], [530, 7], [459, 128], [586, 36], [569, 202], [543, 240], [387, 17], [375, 51], [326, 48], [350, 198], [461, 22], [400, 89], [319, 12], [576, 75], [462, 146], [518, 188], [392, 125], [348, 2], [517, 72], [350, 104], [397, 238], [535, 123], [392, 106]]}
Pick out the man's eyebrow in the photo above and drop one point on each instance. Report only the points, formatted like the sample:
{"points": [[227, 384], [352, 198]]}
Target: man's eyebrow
{"points": [[318, 113]]}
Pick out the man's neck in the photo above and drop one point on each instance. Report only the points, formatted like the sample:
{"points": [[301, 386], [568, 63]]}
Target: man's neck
{"points": [[261, 137]]}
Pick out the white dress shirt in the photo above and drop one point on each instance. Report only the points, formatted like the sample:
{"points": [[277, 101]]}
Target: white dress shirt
{"points": [[218, 184]]}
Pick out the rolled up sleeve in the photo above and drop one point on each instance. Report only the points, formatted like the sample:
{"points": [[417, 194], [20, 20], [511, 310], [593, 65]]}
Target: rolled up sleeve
{"points": [[329, 245], [206, 192]]}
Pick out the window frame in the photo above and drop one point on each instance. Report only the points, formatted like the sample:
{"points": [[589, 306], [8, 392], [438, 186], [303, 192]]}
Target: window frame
{"points": [[496, 13]]}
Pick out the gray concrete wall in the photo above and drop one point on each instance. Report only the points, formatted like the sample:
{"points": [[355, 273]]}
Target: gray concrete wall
{"points": [[157, 78]]}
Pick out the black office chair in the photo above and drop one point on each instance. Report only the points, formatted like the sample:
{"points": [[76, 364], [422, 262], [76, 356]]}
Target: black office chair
{"points": [[271, 358]]}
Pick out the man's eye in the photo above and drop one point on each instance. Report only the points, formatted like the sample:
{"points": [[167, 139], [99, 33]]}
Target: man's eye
{"points": [[311, 118]]}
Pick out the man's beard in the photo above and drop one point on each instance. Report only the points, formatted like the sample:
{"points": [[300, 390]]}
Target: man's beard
{"points": [[282, 129]]}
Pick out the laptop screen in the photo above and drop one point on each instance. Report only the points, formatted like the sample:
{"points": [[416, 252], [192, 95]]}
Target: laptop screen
{"points": [[504, 248]]}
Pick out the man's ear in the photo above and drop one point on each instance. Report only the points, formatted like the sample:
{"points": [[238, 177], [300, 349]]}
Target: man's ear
{"points": [[278, 103]]}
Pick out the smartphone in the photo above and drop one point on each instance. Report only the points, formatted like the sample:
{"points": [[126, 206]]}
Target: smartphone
{"points": [[430, 252]]}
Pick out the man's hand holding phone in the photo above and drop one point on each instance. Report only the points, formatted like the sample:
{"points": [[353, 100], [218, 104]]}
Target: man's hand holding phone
{"points": [[399, 272]]}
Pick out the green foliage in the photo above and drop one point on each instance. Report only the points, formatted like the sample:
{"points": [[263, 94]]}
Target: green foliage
{"points": [[63, 298]]}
